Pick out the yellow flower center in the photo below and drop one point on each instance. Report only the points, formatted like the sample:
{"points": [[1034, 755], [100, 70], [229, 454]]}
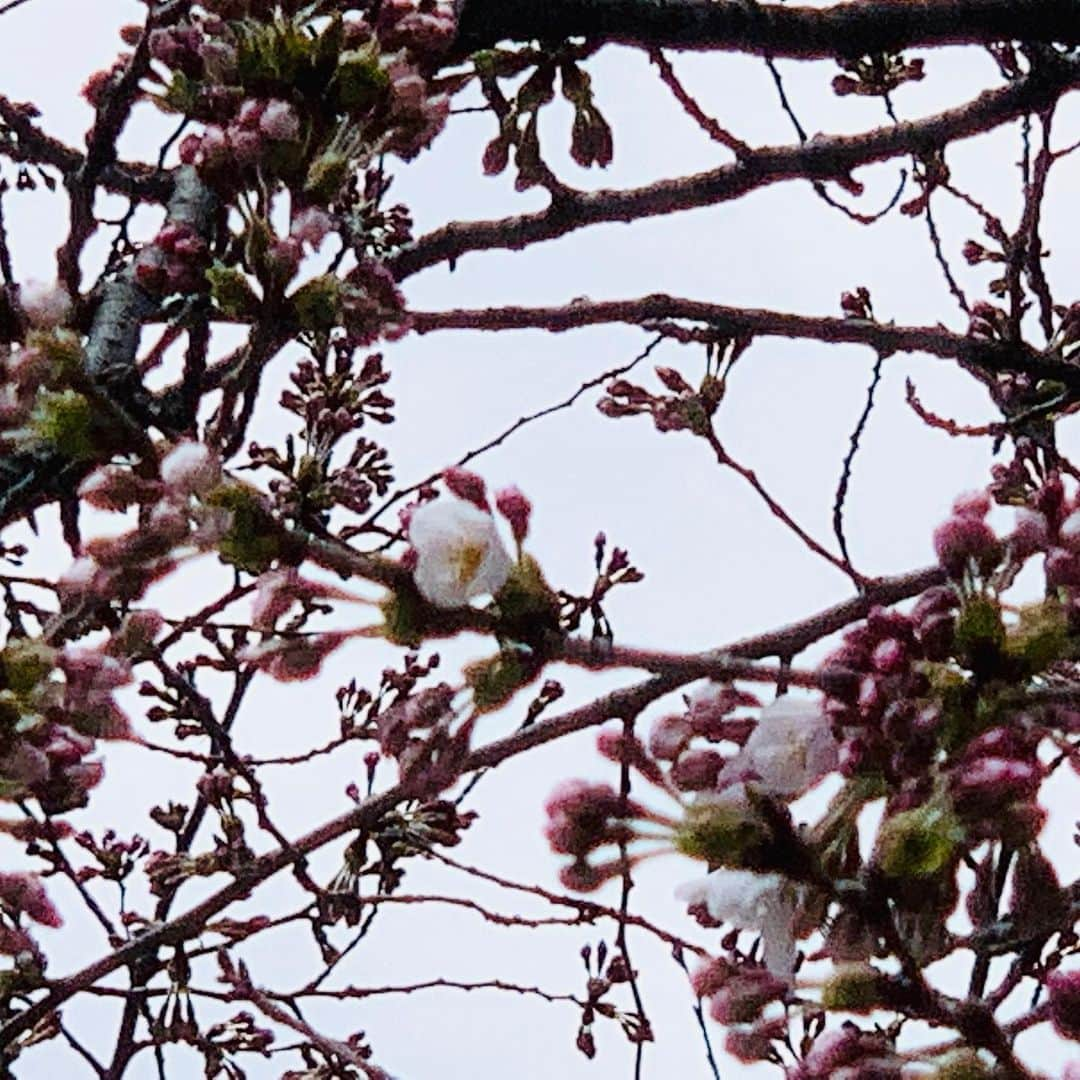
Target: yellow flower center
{"points": [[466, 561]]}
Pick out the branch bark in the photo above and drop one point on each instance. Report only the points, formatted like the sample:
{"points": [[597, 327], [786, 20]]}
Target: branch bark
{"points": [[821, 158], [884, 338], [844, 30]]}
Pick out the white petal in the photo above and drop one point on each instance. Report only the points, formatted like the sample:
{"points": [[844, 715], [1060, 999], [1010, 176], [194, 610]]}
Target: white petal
{"points": [[733, 896], [449, 535], [760, 903], [790, 749]]}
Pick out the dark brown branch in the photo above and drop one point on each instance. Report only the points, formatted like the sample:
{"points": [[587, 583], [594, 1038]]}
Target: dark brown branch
{"points": [[821, 158], [884, 338], [32, 145], [806, 33]]}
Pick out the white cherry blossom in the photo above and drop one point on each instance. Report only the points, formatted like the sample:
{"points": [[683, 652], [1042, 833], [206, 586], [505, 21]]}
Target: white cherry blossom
{"points": [[789, 751], [762, 903], [459, 554]]}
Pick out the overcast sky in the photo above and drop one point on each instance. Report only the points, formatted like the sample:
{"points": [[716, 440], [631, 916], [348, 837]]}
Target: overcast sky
{"points": [[717, 565]]}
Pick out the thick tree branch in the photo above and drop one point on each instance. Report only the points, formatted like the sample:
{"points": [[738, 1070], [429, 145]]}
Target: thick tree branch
{"points": [[884, 338], [844, 30], [35, 476], [821, 158]]}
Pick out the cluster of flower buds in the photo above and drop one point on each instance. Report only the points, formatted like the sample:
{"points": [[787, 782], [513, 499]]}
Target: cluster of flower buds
{"points": [[202, 48], [55, 704], [877, 75], [850, 1054], [309, 229], [994, 781], [126, 564], [965, 544], [1050, 523], [174, 261], [683, 409], [686, 742], [424, 27], [40, 396], [260, 130], [585, 818], [738, 994], [877, 690], [368, 78], [424, 733]]}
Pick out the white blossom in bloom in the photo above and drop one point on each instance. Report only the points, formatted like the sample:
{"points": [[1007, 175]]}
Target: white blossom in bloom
{"points": [[459, 554], [761, 903], [47, 304], [788, 752]]}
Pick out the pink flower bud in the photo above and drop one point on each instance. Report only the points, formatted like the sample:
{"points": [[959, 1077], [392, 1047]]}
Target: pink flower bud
{"points": [[80, 577], [294, 659], [581, 876], [744, 995], [963, 539], [1032, 533], [516, 508], [24, 894], [669, 737], [285, 256], [890, 656], [697, 770], [114, 487], [251, 113], [989, 782], [312, 226], [1062, 569], [245, 144], [1063, 988], [280, 122], [214, 145], [1070, 531], [710, 977], [972, 504], [466, 485], [616, 745]]}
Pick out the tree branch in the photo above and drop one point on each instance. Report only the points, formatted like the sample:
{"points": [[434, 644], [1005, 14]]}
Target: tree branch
{"points": [[883, 338], [821, 158], [844, 30]]}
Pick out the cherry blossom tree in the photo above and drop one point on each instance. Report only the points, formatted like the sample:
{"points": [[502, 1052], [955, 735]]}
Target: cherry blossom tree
{"points": [[852, 807]]}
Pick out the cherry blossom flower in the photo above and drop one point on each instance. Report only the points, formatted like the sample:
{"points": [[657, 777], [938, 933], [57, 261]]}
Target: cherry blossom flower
{"points": [[790, 749], [762, 903], [459, 554]]}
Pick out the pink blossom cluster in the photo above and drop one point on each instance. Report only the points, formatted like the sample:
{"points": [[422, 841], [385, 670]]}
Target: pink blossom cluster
{"points": [[126, 564], [425, 735], [259, 128], [174, 261], [878, 694]]}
